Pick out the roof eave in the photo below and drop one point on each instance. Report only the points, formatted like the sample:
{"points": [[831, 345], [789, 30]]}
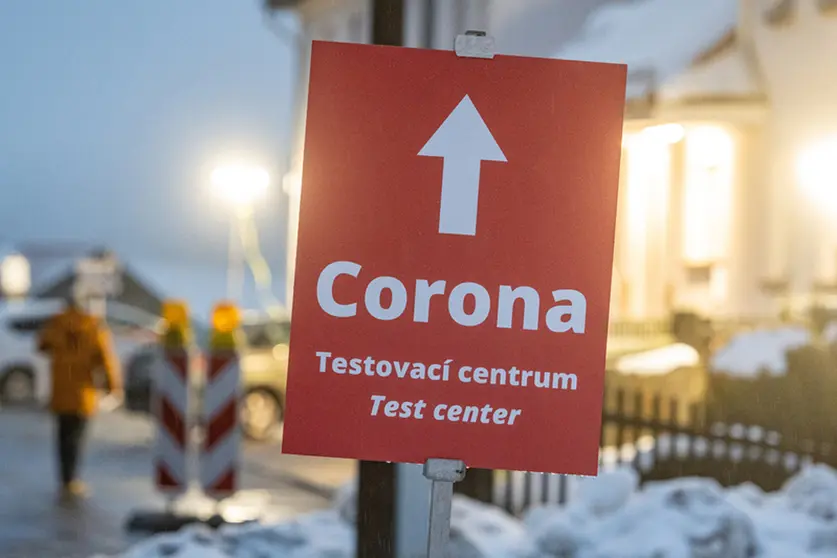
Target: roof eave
{"points": [[724, 108]]}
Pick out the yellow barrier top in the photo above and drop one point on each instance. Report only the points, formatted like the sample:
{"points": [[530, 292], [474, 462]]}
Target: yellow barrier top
{"points": [[226, 319], [176, 312], [177, 331]]}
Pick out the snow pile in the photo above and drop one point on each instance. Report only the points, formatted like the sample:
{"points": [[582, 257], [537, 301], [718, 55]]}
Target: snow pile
{"points": [[685, 518], [691, 518], [663, 36], [750, 353], [478, 530], [483, 531], [610, 517], [316, 535], [658, 361]]}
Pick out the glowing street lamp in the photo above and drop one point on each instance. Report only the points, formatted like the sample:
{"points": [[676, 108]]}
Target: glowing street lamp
{"points": [[240, 185], [816, 169], [15, 276]]}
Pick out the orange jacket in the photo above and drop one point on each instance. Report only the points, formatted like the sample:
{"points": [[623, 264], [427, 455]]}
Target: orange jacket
{"points": [[78, 348]]}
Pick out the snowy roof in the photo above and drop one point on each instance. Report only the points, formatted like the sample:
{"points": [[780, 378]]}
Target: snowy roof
{"points": [[728, 74], [49, 261], [538, 27], [201, 286], [663, 37]]}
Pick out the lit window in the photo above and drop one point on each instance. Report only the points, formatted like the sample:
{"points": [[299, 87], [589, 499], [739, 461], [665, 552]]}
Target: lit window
{"points": [[644, 215], [707, 195], [816, 169]]}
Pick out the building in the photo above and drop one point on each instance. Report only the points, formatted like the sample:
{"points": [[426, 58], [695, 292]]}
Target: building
{"points": [[50, 271], [727, 201], [727, 198], [427, 24]]}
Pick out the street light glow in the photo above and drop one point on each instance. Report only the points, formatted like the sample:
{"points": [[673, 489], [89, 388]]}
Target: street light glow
{"points": [[817, 173], [240, 185]]}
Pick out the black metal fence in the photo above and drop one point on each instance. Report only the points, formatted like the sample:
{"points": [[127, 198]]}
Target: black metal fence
{"points": [[663, 439]]}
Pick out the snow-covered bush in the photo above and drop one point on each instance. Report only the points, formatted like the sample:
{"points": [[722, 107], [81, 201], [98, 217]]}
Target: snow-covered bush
{"points": [[316, 535], [485, 531], [611, 517], [751, 353]]}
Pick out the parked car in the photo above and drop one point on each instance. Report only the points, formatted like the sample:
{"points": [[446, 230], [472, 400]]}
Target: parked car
{"points": [[24, 373], [264, 366]]}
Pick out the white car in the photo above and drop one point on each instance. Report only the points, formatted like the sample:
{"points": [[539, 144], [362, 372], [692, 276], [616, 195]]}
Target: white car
{"points": [[24, 373]]}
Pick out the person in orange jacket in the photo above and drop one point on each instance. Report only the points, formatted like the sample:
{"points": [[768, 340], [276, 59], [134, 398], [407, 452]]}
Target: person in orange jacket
{"points": [[79, 348]]}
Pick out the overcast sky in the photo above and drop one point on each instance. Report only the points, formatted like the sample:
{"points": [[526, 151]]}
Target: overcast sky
{"points": [[113, 112]]}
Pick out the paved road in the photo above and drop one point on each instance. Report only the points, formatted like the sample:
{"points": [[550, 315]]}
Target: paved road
{"points": [[117, 465]]}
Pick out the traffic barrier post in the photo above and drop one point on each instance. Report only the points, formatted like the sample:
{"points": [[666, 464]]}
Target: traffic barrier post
{"points": [[170, 404], [219, 457], [170, 394]]}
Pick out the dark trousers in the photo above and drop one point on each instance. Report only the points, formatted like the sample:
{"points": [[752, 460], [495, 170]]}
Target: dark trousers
{"points": [[70, 434]]}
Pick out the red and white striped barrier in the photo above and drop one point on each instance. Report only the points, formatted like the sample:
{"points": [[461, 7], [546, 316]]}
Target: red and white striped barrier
{"points": [[170, 399], [222, 433]]}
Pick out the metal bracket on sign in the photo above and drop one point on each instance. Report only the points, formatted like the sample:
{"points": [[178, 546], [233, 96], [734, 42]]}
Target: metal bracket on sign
{"points": [[474, 44]]}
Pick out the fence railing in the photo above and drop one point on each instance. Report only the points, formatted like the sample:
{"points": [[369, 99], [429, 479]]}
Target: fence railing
{"points": [[639, 328], [662, 439]]}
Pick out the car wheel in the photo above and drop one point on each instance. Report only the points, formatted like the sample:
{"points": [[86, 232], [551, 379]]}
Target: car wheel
{"points": [[18, 387], [261, 414]]}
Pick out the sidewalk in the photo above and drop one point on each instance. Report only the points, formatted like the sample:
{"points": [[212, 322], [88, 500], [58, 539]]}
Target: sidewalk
{"points": [[318, 475], [117, 467]]}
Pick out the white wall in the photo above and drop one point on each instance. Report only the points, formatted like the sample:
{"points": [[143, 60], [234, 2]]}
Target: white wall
{"points": [[797, 61], [346, 20], [350, 20]]}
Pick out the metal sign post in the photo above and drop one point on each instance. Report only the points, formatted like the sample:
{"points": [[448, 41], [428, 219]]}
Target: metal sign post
{"points": [[443, 473], [376, 479]]}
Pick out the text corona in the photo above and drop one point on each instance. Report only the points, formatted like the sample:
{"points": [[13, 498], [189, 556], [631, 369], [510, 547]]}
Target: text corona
{"points": [[568, 312]]}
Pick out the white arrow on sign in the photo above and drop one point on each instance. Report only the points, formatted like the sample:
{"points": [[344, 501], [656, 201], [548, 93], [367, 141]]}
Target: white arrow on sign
{"points": [[463, 141]]}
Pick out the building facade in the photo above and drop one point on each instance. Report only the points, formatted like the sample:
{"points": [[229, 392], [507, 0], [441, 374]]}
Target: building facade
{"points": [[427, 24], [728, 194]]}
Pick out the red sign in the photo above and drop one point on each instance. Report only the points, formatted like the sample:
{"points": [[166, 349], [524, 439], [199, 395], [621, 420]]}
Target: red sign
{"points": [[454, 259]]}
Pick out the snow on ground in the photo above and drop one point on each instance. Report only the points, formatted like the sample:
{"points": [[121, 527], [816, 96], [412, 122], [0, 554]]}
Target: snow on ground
{"points": [[664, 36], [610, 517], [749, 353], [316, 535], [661, 360]]}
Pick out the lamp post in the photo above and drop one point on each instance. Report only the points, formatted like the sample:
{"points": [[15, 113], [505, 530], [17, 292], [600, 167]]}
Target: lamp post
{"points": [[241, 186]]}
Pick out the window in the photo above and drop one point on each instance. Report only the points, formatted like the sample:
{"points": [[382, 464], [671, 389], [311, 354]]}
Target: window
{"points": [[644, 216], [707, 195], [698, 274], [28, 325]]}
